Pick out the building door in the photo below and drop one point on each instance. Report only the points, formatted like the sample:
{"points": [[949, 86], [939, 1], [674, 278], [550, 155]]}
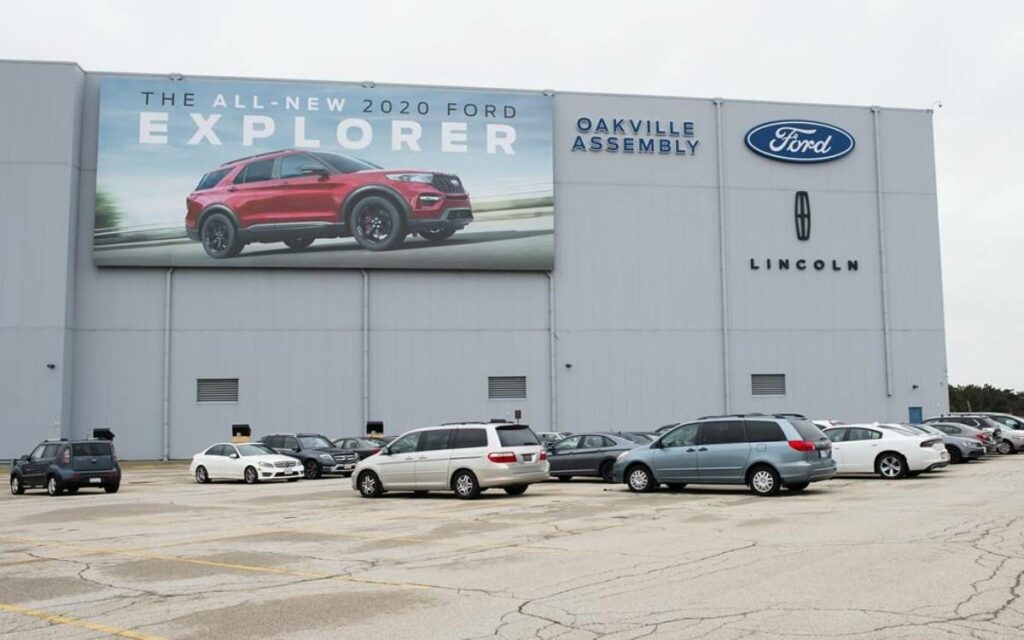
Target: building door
{"points": [[916, 415]]}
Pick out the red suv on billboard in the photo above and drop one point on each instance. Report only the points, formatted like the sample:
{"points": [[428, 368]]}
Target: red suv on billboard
{"points": [[295, 197]]}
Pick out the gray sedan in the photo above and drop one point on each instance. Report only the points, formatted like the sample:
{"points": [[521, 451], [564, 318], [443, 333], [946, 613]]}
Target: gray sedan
{"points": [[961, 448], [590, 454], [962, 430]]}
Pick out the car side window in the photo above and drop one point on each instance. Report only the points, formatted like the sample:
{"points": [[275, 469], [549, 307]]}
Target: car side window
{"points": [[684, 436], [406, 444], [258, 171], [37, 453], [211, 451], [593, 442], [350, 444], [50, 451], [836, 435], [435, 440], [291, 166], [764, 431], [229, 449], [722, 432], [469, 438], [290, 443], [567, 443]]}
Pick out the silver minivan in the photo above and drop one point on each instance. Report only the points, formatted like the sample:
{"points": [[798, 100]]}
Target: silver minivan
{"points": [[466, 458]]}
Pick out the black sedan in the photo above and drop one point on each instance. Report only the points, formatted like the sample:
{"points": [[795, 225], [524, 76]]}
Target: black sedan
{"points": [[590, 454], [365, 447]]}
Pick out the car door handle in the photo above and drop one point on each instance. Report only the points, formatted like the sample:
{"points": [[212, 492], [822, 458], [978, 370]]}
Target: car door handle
{"points": [[690, 450], [702, 449], [232, 189], [422, 458], [408, 458]]}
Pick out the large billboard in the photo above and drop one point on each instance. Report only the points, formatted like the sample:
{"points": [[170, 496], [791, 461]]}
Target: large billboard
{"points": [[232, 173]]}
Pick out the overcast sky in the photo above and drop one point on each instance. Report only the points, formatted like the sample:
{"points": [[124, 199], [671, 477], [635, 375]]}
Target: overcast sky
{"points": [[968, 55]]}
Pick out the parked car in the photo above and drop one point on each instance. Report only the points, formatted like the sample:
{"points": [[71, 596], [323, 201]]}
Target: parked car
{"points": [[589, 454], [251, 462], [639, 437], [961, 448], [666, 428], [67, 465], [364, 446], [957, 429], [549, 437], [316, 452], [1007, 440], [467, 458], [295, 196], [889, 450], [764, 452], [1006, 419], [825, 424]]}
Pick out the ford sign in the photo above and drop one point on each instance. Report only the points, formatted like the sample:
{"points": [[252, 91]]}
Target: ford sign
{"points": [[799, 141]]}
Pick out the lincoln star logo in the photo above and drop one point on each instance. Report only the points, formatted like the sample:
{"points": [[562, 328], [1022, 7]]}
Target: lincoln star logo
{"points": [[801, 141], [802, 215]]}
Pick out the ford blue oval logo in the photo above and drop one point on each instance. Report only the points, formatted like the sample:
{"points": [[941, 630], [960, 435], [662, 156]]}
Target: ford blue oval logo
{"points": [[799, 141]]}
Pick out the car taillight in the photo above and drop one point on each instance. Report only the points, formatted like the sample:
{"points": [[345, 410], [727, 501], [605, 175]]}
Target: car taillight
{"points": [[66, 458], [929, 443], [543, 455], [374, 450], [802, 445], [502, 457], [983, 437]]}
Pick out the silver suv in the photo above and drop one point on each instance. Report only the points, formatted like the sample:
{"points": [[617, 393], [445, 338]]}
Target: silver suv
{"points": [[764, 452], [466, 458]]}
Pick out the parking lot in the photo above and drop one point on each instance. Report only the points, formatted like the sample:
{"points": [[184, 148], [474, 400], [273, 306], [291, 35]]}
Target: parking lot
{"points": [[938, 556]]}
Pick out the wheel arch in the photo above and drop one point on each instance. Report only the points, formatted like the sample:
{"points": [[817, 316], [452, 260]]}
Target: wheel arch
{"points": [[902, 456], [390, 194], [754, 466], [640, 463], [216, 208], [455, 472]]}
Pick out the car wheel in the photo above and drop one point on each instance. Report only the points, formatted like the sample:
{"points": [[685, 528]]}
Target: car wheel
{"points": [[312, 470], [639, 479], [202, 476], [891, 466], [676, 486], [798, 486], [251, 476], [376, 224], [220, 237], [1005, 447], [465, 485], [71, 489], [437, 234], [517, 490], [299, 243], [112, 488], [370, 486], [764, 481], [606, 470], [54, 486], [954, 455], [564, 478], [17, 488]]}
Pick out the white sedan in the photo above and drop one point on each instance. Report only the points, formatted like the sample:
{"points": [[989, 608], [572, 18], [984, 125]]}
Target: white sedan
{"points": [[250, 462], [892, 451]]}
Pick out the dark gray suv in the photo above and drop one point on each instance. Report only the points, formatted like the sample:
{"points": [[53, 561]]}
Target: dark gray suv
{"points": [[67, 465], [764, 452]]}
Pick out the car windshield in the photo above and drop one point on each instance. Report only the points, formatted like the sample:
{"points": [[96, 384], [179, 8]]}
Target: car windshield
{"points": [[90, 449], [345, 164], [634, 438], [255, 450], [371, 442], [314, 442], [927, 428], [907, 431]]}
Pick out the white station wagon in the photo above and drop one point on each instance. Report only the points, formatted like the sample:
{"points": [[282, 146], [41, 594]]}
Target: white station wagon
{"points": [[466, 458], [251, 462]]}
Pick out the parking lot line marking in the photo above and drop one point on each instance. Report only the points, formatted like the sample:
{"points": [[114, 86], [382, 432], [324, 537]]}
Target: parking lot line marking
{"points": [[56, 618]]}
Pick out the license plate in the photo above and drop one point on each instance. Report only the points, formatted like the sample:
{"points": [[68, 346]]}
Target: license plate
{"points": [[95, 480], [347, 466], [824, 453], [527, 457]]}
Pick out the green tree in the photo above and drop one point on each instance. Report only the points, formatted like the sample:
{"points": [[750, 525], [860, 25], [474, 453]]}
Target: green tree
{"points": [[108, 212], [973, 397]]}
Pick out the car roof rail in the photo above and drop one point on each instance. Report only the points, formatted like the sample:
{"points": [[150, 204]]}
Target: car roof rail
{"points": [[254, 156]]}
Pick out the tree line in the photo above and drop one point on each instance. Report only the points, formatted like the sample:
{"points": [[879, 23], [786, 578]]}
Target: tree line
{"points": [[973, 397]]}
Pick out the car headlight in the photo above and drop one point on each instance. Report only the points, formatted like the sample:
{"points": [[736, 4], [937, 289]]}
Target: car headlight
{"points": [[326, 457], [424, 178], [266, 465]]}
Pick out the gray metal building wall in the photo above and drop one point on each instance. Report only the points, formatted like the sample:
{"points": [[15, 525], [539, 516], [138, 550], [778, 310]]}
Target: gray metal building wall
{"points": [[638, 294]]}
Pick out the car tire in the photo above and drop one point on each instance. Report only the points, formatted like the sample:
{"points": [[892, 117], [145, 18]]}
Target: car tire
{"points": [[797, 487], [676, 486], [219, 236], [376, 224], [202, 475], [299, 243], [914, 474], [112, 488], [891, 466], [369, 485], [312, 469], [1005, 447], [764, 481], [517, 490], [437, 235], [564, 478], [293, 479], [17, 486], [54, 486], [465, 485], [71, 489], [250, 475], [605, 470], [954, 455], [639, 479]]}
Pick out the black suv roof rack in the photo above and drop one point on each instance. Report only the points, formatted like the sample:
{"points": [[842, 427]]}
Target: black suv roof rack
{"points": [[255, 155], [755, 415]]}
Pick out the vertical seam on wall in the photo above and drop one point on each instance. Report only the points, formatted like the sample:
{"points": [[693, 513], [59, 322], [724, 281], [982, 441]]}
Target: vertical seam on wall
{"points": [[552, 358], [366, 347], [722, 264], [886, 344]]}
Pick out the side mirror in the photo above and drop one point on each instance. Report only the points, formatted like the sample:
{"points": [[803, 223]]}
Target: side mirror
{"points": [[384, 451], [24, 458], [233, 456], [313, 170]]}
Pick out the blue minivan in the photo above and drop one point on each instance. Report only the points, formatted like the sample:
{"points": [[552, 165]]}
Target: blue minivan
{"points": [[763, 452]]}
